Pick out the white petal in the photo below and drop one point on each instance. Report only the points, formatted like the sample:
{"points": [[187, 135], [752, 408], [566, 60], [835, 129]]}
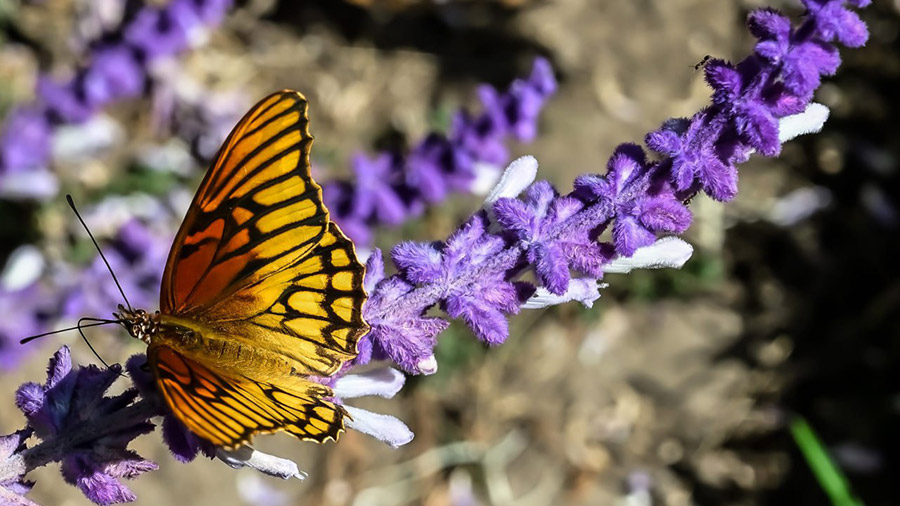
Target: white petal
{"points": [[383, 382], [486, 176], [584, 290], [669, 252], [23, 268], [518, 176], [428, 365], [807, 122], [385, 428], [247, 456]]}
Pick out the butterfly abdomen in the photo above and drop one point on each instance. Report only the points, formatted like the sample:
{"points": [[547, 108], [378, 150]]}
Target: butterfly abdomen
{"points": [[224, 352]]}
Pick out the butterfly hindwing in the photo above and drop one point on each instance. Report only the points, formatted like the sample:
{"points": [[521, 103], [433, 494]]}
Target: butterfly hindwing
{"points": [[257, 209], [227, 409]]}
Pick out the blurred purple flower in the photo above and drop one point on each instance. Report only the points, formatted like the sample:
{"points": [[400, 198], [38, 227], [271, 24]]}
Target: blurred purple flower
{"points": [[114, 71], [391, 188], [436, 167], [378, 189], [25, 143], [137, 256], [113, 74], [72, 398], [20, 319]]}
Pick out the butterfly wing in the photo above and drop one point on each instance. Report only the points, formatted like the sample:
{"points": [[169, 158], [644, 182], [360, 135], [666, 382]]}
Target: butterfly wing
{"points": [[226, 409], [257, 258], [256, 211]]}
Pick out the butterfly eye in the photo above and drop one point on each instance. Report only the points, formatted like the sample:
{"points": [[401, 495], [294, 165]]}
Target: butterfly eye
{"points": [[135, 329]]}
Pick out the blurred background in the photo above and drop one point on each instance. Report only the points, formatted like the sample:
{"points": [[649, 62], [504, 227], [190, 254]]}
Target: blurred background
{"points": [[676, 388]]}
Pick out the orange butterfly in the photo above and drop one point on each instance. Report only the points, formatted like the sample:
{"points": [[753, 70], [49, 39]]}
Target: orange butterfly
{"points": [[260, 291]]}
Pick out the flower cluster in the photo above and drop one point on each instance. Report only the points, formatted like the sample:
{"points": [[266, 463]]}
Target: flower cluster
{"points": [[117, 68], [608, 223], [66, 403], [389, 188], [473, 274]]}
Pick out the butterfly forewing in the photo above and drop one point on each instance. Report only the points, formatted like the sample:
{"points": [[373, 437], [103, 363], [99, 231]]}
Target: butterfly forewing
{"points": [[257, 209]]}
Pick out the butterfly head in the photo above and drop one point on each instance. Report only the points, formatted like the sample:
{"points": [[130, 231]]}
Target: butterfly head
{"points": [[139, 323]]}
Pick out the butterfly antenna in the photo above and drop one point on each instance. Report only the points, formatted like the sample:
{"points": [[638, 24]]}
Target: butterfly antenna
{"points": [[97, 322], [113, 274], [88, 343]]}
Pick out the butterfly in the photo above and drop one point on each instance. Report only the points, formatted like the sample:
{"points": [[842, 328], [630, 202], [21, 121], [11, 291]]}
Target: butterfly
{"points": [[261, 292]]}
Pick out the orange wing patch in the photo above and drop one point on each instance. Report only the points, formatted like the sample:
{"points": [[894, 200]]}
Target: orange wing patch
{"points": [[227, 410]]}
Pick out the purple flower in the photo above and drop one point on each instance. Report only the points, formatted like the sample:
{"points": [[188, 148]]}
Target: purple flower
{"points": [[378, 189], [114, 73], [161, 32], [436, 167], [13, 488], [803, 62], [833, 20], [695, 158], [485, 295], [739, 99], [64, 100], [211, 12], [533, 220], [25, 142], [481, 137], [19, 308], [406, 339], [526, 99], [73, 398], [643, 204]]}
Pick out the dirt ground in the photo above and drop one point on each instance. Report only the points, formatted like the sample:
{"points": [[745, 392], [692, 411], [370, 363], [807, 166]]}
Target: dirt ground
{"points": [[676, 387]]}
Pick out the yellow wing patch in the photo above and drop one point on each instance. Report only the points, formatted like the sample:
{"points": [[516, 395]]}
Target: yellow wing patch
{"points": [[310, 311]]}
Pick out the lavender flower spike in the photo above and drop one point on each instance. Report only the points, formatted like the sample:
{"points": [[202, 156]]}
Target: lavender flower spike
{"points": [[473, 275]]}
